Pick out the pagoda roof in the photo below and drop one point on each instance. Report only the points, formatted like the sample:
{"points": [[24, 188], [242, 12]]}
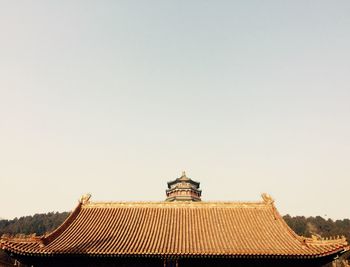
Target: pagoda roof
{"points": [[175, 229], [183, 178]]}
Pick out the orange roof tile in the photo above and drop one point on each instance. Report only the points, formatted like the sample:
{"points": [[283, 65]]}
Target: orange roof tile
{"points": [[184, 229]]}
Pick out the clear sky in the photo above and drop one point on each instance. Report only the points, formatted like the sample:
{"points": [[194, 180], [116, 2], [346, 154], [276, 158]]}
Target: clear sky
{"points": [[116, 98]]}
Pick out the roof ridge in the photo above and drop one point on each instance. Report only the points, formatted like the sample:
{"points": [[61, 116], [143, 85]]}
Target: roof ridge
{"points": [[289, 230], [314, 240], [175, 204], [20, 237], [47, 238], [266, 200], [329, 240]]}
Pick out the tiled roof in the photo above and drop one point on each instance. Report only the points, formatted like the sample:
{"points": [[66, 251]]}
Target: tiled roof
{"points": [[182, 229]]}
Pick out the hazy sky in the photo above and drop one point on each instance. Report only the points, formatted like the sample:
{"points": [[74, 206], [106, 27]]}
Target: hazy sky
{"points": [[116, 98]]}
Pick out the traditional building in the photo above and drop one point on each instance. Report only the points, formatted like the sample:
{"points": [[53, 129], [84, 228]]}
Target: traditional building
{"points": [[183, 189], [181, 231]]}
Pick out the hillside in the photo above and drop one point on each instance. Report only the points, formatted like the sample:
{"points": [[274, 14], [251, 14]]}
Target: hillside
{"points": [[38, 223]]}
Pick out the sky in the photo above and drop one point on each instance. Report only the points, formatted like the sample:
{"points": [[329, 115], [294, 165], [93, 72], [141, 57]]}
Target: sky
{"points": [[116, 98]]}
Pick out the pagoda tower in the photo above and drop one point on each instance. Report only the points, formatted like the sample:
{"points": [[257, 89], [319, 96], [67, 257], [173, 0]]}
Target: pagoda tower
{"points": [[183, 189]]}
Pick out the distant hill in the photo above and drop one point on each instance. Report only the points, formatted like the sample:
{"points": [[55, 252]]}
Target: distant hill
{"points": [[306, 226], [38, 223]]}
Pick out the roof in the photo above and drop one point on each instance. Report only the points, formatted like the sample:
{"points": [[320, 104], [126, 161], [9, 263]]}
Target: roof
{"points": [[183, 178], [180, 229]]}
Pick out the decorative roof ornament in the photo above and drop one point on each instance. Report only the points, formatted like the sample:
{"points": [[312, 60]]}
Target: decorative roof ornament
{"points": [[85, 199], [184, 177], [316, 237], [267, 198]]}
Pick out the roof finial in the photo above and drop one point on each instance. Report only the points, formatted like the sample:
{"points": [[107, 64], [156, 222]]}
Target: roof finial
{"points": [[267, 198], [85, 199], [184, 173]]}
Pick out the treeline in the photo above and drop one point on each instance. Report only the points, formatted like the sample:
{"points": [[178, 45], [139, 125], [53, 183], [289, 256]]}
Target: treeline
{"points": [[38, 223], [306, 226]]}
